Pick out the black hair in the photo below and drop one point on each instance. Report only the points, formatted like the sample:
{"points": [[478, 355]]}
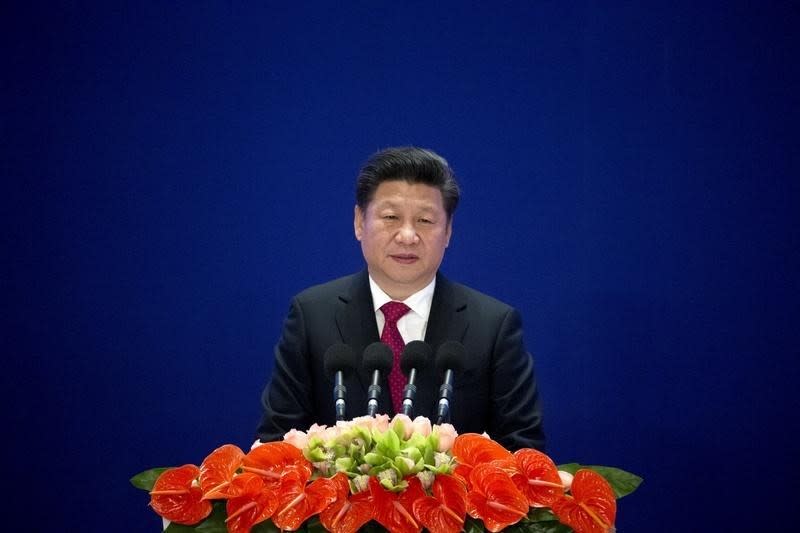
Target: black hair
{"points": [[412, 164]]}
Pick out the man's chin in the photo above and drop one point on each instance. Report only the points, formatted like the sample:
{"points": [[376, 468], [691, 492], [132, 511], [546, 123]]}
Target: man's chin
{"points": [[403, 282]]}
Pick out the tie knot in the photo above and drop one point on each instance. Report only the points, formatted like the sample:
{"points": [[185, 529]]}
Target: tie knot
{"points": [[394, 310]]}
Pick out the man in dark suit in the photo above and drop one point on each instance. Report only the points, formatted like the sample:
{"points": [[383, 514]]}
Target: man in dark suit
{"points": [[405, 201]]}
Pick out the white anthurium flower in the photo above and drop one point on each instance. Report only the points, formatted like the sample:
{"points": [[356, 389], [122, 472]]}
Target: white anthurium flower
{"points": [[566, 479]]}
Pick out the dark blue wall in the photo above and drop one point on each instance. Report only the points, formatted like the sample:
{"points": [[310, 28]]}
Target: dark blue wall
{"points": [[630, 181]]}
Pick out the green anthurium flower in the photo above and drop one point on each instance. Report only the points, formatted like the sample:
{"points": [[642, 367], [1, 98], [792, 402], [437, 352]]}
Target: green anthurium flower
{"points": [[317, 454], [364, 434], [315, 442], [417, 441], [404, 466], [389, 480], [375, 459], [387, 443], [345, 464], [339, 450], [399, 427], [433, 438], [356, 448], [428, 455], [412, 453]]}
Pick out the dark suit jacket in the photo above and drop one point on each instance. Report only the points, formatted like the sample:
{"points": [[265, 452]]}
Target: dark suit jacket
{"points": [[495, 393]]}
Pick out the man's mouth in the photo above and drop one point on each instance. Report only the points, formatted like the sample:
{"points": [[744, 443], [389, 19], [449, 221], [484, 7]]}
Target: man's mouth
{"points": [[405, 259]]}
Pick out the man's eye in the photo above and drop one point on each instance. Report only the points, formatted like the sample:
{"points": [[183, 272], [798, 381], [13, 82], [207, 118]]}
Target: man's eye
{"points": [[390, 217], [426, 221]]}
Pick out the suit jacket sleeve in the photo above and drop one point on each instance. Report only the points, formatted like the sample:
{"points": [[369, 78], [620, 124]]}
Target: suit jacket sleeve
{"points": [[516, 420], [288, 397]]}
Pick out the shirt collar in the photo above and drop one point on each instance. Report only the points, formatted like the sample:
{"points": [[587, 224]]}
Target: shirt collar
{"points": [[419, 302]]}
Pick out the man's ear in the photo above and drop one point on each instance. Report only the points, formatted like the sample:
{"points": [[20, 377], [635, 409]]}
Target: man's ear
{"points": [[358, 222], [449, 232]]}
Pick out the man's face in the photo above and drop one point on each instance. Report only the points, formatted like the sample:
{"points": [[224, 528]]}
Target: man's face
{"points": [[403, 234]]}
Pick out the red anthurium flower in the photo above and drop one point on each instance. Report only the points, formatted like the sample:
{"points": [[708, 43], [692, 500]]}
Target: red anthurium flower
{"points": [[298, 500], [494, 498], [471, 449], [350, 511], [592, 508], [253, 502], [272, 459], [176, 496], [537, 477], [446, 510], [217, 471], [394, 511]]}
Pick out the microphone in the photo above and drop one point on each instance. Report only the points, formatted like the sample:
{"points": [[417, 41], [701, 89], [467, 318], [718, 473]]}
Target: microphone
{"points": [[340, 359], [449, 360], [416, 356], [378, 358]]}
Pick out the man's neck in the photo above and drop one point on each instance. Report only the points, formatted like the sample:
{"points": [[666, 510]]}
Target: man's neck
{"points": [[402, 292]]}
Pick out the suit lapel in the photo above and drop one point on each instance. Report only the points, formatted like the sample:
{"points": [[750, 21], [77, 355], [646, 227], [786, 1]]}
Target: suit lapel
{"points": [[355, 318], [447, 322]]}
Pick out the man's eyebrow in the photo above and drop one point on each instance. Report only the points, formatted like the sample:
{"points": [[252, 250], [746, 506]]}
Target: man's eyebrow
{"points": [[426, 206]]}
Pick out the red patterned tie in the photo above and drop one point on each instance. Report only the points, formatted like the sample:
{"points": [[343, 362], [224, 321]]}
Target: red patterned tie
{"points": [[392, 311]]}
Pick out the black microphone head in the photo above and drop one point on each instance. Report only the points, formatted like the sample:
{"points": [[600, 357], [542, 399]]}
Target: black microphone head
{"points": [[417, 355], [338, 357], [450, 356], [378, 356]]}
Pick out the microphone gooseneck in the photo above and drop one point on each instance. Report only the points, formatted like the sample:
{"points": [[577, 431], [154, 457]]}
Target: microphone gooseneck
{"points": [[449, 361], [377, 361], [416, 357], [339, 360]]}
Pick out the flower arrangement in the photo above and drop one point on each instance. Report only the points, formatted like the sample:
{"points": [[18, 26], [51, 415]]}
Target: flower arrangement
{"points": [[377, 473]]}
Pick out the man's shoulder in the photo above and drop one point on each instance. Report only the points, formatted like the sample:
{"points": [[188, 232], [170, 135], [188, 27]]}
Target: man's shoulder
{"points": [[472, 296], [336, 287]]}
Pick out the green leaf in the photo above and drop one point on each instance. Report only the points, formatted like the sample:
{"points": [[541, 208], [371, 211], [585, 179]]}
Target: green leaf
{"points": [[570, 467], [312, 525], [621, 481], [539, 520], [145, 480], [550, 526], [541, 514], [473, 526], [265, 527], [372, 527]]}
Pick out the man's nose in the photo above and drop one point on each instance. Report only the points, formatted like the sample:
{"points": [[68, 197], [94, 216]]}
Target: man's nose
{"points": [[407, 234]]}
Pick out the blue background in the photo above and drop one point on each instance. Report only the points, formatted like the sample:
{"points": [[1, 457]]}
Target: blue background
{"points": [[173, 174]]}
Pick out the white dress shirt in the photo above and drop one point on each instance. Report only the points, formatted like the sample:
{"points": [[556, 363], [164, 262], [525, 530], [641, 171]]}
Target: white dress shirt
{"points": [[412, 325]]}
